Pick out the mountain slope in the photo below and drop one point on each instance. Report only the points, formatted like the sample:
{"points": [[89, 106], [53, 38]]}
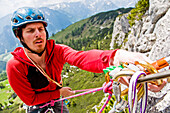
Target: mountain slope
{"points": [[56, 20], [83, 9], [74, 10], [86, 32]]}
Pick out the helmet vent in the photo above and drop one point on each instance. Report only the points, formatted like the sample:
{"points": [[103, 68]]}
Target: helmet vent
{"points": [[26, 15], [28, 18], [39, 17], [33, 14], [15, 20]]}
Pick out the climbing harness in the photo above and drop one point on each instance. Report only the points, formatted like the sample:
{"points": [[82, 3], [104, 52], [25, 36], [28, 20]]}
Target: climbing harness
{"points": [[140, 74]]}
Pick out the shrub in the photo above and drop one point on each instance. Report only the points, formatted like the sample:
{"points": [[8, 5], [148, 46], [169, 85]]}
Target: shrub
{"points": [[137, 13]]}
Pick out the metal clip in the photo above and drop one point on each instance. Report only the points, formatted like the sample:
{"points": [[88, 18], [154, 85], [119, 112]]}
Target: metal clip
{"points": [[117, 91], [113, 72]]}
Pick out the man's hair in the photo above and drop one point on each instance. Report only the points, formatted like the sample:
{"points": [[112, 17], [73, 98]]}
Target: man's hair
{"points": [[19, 31]]}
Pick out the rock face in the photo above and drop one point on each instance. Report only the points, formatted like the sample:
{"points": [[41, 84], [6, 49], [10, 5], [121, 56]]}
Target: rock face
{"points": [[150, 36]]}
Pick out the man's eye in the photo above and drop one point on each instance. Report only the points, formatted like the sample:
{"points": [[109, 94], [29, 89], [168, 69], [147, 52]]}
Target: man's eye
{"points": [[31, 30], [41, 29]]}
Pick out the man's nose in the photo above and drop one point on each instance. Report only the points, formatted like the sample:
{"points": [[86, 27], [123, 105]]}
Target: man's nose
{"points": [[37, 33]]}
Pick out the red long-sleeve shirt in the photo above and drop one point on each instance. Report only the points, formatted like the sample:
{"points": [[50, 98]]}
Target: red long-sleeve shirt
{"points": [[33, 88]]}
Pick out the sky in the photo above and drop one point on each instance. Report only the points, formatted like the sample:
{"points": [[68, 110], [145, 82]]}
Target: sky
{"points": [[9, 6]]}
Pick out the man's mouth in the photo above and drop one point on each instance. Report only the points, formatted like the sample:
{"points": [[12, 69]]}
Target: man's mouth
{"points": [[38, 42]]}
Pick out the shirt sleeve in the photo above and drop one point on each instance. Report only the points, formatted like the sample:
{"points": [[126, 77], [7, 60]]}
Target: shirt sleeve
{"points": [[16, 73], [92, 60]]}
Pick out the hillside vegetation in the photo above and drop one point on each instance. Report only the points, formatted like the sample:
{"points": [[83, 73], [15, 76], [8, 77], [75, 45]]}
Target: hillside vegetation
{"points": [[9, 102], [94, 32], [2, 66], [136, 14], [3, 60]]}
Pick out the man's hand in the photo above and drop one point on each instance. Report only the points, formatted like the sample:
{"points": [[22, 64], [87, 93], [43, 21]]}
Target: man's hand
{"points": [[66, 91], [155, 88], [151, 87], [131, 57]]}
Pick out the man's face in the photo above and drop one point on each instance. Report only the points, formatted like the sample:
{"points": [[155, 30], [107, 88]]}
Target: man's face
{"points": [[34, 35]]}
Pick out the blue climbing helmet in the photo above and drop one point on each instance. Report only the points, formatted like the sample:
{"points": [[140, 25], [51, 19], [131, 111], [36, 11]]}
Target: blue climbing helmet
{"points": [[26, 15]]}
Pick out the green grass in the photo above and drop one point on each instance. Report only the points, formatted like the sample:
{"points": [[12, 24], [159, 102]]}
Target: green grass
{"points": [[5, 92], [84, 80], [14, 109], [6, 98]]}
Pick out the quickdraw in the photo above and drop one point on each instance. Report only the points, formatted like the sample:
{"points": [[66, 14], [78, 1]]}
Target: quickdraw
{"points": [[137, 87]]}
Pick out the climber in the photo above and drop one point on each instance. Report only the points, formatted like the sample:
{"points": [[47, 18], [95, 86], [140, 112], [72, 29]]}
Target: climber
{"points": [[34, 71]]}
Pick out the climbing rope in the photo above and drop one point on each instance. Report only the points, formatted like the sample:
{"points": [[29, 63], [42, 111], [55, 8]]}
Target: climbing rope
{"points": [[132, 93], [73, 96]]}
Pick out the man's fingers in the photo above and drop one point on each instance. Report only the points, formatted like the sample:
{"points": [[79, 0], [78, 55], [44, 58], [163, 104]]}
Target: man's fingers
{"points": [[124, 80], [155, 88]]}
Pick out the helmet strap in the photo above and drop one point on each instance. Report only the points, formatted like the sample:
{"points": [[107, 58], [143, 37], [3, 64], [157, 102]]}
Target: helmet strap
{"points": [[25, 45]]}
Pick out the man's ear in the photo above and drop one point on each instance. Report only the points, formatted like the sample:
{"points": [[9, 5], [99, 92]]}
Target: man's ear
{"points": [[20, 39]]}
